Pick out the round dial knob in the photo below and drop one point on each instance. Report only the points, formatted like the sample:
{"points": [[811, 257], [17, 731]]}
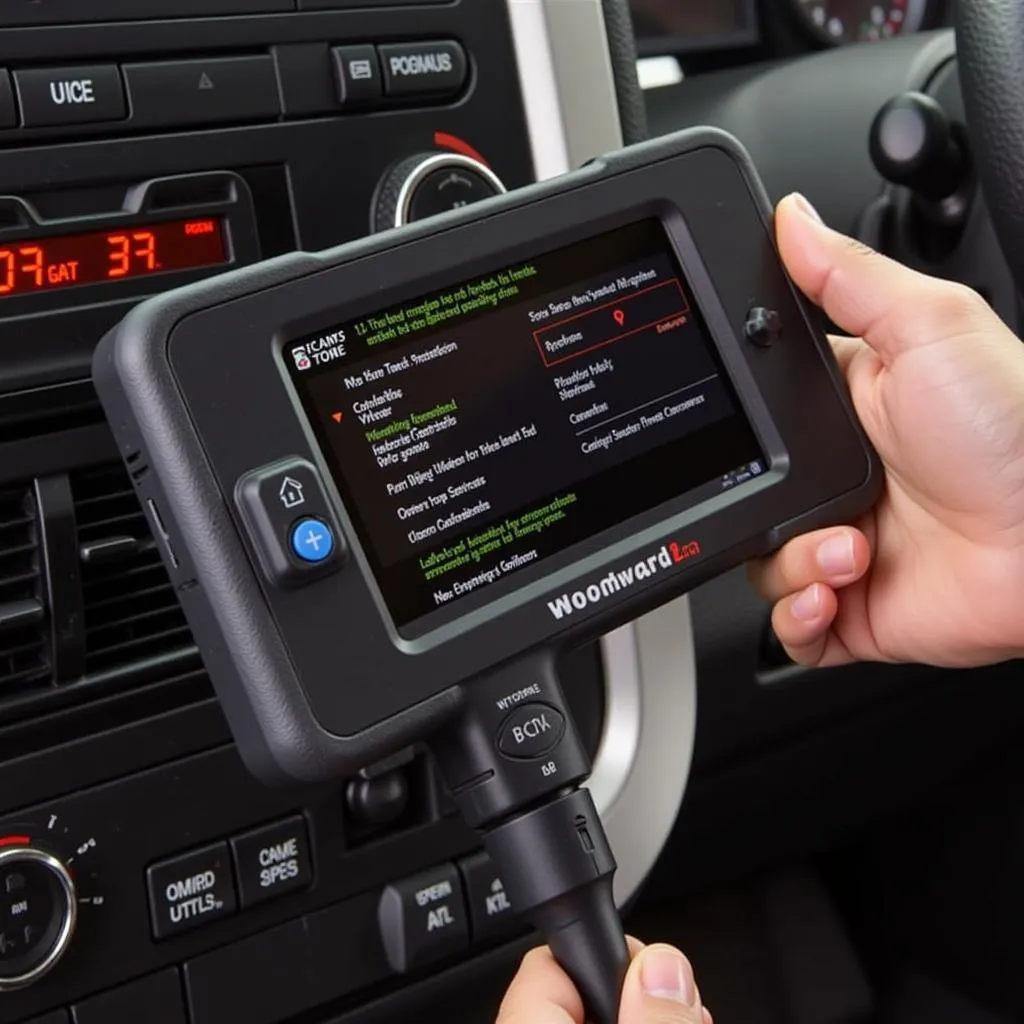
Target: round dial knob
{"points": [[38, 911], [913, 144], [430, 183]]}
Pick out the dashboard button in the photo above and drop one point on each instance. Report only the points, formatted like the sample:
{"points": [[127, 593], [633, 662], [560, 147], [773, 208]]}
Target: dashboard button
{"points": [[272, 861], [423, 69], [423, 919], [356, 75], [530, 731], [76, 95], [217, 90], [156, 999], [191, 890], [290, 522], [490, 914]]}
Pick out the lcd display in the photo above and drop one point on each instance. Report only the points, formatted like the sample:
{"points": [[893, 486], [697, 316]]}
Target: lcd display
{"points": [[64, 261], [478, 431], [667, 26]]}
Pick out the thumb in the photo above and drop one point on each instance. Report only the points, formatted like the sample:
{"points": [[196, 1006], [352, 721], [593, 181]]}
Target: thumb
{"points": [[890, 306], [660, 989]]}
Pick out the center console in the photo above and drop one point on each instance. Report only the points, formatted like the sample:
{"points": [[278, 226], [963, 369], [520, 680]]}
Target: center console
{"points": [[144, 875]]}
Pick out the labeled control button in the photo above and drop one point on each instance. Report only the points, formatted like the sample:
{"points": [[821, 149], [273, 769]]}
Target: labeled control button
{"points": [[530, 731], [212, 91], [286, 511], [763, 327], [423, 919], [423, 69], [192, 890], [82, 95], [272, 861], [490, 913], [357, 75], [312, 540]]}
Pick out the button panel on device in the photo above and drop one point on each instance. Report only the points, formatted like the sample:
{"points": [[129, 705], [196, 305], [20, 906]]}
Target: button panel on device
{"points": [[290, 522], [191, 890], [423, 918], [429, 68], [272, 861], [79, 95]]}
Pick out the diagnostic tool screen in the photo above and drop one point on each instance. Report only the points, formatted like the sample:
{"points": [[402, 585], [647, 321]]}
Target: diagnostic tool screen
{"points": [[477, 431]]}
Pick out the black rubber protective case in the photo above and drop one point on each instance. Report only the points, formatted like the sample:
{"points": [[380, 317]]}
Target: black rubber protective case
{"points": [[315, 680]]}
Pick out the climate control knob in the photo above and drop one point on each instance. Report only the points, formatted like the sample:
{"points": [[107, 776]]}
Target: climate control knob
{"points": [[38, 912], [431, 183]]}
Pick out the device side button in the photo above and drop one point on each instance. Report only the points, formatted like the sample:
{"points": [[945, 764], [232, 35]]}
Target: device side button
{"points": [[763, 326]]}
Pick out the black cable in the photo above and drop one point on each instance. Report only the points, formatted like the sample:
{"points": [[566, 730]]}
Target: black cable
{"points": [[516, 765]]}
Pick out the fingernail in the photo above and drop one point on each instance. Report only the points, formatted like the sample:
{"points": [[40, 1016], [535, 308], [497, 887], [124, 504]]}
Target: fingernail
{"points": [[666, 974], [835, 555], [806, 207], [806, 606]]}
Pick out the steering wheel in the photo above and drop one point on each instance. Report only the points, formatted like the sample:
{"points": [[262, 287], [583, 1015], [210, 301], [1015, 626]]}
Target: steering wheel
{"points": [[990, 47]]}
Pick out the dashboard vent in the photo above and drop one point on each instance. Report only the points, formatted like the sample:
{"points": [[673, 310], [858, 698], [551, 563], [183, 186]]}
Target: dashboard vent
{"points": [[23, 631], [131, 612]]}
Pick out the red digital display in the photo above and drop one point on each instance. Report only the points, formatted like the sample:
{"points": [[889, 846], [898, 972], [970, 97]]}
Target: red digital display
{"points": [[65, 261]]}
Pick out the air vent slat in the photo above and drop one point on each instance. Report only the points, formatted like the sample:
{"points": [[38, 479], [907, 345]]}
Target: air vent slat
{"points": [[131, 610], [24, 638]]}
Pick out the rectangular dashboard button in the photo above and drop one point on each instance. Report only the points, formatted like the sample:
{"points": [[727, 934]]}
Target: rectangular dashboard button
{"points": [[272, 861], [174, 93], [191, 890], [74, 95], [437, 68]]}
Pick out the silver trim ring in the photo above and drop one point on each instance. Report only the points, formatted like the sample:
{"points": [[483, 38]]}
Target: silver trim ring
{"points": [[70, 914], [435, 163]]}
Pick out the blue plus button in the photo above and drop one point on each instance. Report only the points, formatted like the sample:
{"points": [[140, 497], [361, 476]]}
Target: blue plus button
{"points": [[312, 540]]}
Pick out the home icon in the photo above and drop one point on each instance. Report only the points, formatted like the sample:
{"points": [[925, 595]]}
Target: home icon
{"points": [[291, 493]]}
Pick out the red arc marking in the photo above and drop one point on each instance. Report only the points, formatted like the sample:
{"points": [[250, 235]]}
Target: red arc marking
{"points": [[453, 142]]}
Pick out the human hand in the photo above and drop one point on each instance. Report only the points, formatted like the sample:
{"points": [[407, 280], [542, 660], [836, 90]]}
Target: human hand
{"points": [[935, 574], [659, 989]]}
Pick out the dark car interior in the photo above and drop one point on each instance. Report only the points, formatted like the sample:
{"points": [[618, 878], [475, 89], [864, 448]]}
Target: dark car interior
{"points": [[829, 847]]}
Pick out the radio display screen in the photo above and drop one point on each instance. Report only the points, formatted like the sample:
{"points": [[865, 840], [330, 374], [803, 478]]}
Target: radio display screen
{"points": [[96, 257], [477, 431]]}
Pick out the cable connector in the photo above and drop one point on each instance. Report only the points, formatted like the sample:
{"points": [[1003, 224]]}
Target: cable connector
{"points": [[515, 764]]}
